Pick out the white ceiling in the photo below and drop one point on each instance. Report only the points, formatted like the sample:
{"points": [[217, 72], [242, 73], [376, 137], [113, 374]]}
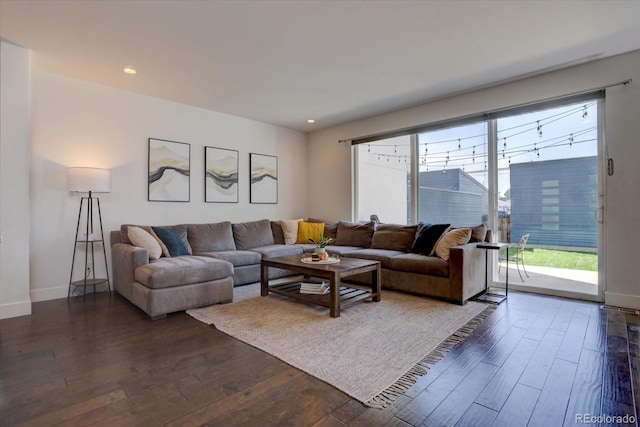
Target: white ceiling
{"points": [[284, 62]]}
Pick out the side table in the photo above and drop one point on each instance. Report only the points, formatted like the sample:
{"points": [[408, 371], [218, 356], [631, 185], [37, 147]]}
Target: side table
{"points": [[490, 296]]}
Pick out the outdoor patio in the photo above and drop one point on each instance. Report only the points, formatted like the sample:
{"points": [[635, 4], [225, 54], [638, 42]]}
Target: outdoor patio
{"points": [[554, 279]]}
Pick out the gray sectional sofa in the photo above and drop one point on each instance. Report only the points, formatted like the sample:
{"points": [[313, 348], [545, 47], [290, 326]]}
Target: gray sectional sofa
{"points": [[222, 255]]}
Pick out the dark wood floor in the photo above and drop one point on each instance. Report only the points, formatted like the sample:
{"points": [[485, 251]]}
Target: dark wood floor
{"points": [[535, 361]]}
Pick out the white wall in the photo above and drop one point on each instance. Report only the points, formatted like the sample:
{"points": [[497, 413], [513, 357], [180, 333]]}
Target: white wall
{"points": [[332, 199], [75, 123], [14, 180]]}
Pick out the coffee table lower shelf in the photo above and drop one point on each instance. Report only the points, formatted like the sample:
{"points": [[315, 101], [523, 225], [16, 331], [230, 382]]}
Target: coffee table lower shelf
{"points": [[348, 295]]}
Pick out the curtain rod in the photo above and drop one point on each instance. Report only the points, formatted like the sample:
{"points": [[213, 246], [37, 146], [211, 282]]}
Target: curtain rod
{"points": [[407, 130]]}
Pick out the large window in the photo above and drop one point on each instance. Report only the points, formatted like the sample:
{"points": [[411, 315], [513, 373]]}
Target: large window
{"points": [[541, 161], [453, 179]]}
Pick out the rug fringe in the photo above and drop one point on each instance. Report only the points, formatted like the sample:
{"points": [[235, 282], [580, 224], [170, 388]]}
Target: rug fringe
{"points": [[406, 381]]}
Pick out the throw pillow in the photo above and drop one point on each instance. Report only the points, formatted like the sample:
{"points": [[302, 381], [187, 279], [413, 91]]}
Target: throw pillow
{"points": [[211, 237], [428, 237], [309, 230], [142, 239], [394, 237], [183, 233], [478, 232], [172, 241], [354, 234], [457, 237], [330, 228], [165, 250], [290, 230], [252, 234]]}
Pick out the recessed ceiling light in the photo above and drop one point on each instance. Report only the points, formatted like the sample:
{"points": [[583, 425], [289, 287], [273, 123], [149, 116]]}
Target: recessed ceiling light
{"points": [[129, 70], [311, 121]]}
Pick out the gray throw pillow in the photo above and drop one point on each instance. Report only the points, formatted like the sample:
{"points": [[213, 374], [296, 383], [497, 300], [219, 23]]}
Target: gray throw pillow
{"points": [[394, 237], [354, 234], [253, 234], [211, 237], [330, 228]]}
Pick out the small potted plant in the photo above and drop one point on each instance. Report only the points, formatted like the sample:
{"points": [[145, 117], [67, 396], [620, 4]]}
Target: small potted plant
{"points": [[321, 245]]}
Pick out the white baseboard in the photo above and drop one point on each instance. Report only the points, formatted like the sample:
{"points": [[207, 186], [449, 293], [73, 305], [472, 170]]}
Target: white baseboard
{"points": [[622, 300], [15, 309], [46, 294]]}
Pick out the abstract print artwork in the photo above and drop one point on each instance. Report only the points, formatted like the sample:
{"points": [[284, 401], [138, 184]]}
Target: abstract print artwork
{"points": [[169, 170], [220, 175], [264, 178]]}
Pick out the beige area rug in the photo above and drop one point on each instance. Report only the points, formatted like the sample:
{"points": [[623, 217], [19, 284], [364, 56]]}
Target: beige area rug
{"points": [[374, 352]]}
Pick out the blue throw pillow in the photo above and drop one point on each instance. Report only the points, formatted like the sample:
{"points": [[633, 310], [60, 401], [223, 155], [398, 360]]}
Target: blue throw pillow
{"points": [[171, 240], [427, 238]]}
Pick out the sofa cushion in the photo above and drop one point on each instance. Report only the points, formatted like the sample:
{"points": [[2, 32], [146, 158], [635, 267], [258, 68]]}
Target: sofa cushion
{"points": [[143, 239], [309, 230], [382, 255], [237, 258], [417, 263], [278, 234], [211, 237], [354, 234], [180, 229], [272, 251], [290, 230], [252, 234], [457, 237], [182, 232], [428, 237], [330, 228], [478, 232], [171, 240], [180, 271], [394, 237]]}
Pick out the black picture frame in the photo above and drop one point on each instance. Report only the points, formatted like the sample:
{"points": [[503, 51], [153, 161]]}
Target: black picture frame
{"points": [[169, 171], [263, 178], [221, 167]]}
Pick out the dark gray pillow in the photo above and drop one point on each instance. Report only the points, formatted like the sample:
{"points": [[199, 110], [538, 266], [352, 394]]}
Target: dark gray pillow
{"points": [[278, 233], [330, 228], [354, 234], [394, 237], [253, 234], [211, 237]]}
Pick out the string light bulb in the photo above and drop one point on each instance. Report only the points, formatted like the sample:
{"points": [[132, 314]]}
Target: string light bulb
{"points": [[584, 114]]}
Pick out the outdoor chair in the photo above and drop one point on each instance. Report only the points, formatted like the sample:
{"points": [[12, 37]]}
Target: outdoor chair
{"points": [[518, 256]]}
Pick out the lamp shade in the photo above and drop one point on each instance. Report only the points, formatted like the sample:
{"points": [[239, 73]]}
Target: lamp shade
{"points": [[84, 180]]}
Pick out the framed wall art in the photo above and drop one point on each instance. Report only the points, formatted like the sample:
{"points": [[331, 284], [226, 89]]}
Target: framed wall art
{"points": [[220, 175], [263, 178], [169, 171]]}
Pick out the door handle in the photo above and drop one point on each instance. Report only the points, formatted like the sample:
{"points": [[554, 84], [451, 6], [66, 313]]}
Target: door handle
{"points": [[598, 213]]}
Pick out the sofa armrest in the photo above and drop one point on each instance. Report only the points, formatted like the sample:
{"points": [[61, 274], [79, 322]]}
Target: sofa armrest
{"points": [[125, 259], [466, 271]]}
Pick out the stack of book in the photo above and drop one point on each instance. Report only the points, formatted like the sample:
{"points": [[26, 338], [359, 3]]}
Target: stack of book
{"points": [[314, 288]]}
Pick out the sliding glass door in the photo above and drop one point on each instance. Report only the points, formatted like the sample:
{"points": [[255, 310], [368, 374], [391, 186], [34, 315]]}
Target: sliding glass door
{"points": [[531, 174], [548, 186]]}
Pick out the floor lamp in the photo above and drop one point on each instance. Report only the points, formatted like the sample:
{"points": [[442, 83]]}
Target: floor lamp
{"points": [[88, 180]]}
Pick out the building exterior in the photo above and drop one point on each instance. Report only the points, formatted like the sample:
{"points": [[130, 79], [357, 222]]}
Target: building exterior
{"points": [[452, 197], [554, 203]]}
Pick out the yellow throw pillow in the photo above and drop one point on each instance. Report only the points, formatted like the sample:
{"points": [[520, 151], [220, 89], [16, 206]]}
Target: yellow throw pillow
{"points": [[290, 230], [457, 237], [309, 230]]}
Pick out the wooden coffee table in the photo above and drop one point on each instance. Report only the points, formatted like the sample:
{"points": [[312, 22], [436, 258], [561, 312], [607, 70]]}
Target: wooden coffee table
{"points": [[340, 294]]}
